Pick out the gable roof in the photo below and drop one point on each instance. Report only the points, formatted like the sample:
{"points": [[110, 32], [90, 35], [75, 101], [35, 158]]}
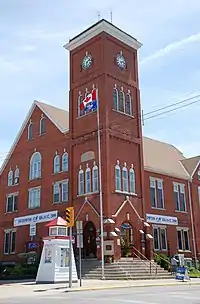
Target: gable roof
{"points": [[163, 158], [59, 117], [191, 164]]}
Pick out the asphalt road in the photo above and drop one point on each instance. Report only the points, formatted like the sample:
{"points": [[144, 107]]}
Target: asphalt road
{"points": [[143, 295]]}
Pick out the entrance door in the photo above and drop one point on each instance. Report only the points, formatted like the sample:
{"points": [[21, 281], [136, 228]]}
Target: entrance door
{"points": [[126, 234], [89, 241]]}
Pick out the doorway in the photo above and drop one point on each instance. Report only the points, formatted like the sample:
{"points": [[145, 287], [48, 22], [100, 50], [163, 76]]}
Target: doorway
{"points": [[89, 241], [127, 242]]}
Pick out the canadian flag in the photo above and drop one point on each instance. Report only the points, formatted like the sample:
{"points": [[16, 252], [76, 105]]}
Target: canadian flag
{"points": [[90, 100]]}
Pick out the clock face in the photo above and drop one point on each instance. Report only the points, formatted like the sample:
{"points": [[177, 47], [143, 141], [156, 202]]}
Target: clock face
{"points": [[121, 62], [87, 62]]}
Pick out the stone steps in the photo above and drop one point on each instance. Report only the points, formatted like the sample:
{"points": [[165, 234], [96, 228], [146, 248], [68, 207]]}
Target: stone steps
{"points": [[127, 269]]}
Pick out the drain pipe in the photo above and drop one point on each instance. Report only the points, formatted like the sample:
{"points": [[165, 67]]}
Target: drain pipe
{"points": [[192, 221]]}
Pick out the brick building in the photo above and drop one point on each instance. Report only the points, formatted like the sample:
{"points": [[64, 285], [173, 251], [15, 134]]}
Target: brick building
{"points": [[149, 188]]}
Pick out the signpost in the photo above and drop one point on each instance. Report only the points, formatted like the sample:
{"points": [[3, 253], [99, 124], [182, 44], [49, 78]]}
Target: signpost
{"points": [[79, 229], [70, 223]]}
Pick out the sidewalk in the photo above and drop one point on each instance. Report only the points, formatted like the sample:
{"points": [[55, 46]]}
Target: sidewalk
{"points": [[28, 288]]}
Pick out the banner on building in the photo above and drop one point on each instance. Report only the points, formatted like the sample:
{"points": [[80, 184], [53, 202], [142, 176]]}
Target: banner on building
{"points": [[161, 219]]}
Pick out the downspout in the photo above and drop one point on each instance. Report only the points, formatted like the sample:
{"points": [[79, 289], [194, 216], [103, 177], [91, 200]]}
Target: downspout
{"points": [[192, 221]]}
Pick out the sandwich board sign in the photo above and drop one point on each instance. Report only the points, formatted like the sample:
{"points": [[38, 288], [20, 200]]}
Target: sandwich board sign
{"points": [[182, 274]]}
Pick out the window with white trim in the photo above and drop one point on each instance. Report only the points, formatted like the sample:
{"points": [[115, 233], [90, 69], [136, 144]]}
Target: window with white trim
{"points": [[88, 180], [56, 164], [179, 197], [95, 179], [16, 176], [118, 186], [80, 182], [12, 202], [160, 238], [115, 98], [10, 178], [60, 192], [156, 193], [35, 166], [30, 131], [65, 162], [121, 105], [183, 239], [9, 241], [128, 104], [132, 180], [42, 125], [125, 179], [34, 196]]}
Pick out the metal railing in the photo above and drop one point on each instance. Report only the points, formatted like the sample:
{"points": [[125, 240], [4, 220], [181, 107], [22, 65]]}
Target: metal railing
{"points": [[150, 265], [166, 261]]}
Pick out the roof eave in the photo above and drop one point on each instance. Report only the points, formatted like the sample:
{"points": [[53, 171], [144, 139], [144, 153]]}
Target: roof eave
{"points": [[170, 174], [99, 28]]}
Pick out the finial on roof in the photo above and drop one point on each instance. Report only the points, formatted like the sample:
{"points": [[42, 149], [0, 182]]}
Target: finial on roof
{"points": [[99, 16], [111, 16]]}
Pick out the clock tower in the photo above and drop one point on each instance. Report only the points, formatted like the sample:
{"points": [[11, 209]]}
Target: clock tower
{"points": [[104, 57]]}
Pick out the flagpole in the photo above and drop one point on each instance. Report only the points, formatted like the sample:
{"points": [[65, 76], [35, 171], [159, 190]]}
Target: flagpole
{"points": [[100, 187]]}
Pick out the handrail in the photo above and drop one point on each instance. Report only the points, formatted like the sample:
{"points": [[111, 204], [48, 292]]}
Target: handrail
{"points": [[150, 263], [162, 258]]}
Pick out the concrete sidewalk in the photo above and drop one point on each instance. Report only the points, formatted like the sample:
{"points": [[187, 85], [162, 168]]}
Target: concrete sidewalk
{"points": [[28, 288]]}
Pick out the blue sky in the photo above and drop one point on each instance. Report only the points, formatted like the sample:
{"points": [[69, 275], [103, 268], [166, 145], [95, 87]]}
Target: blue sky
{"points": [[34, 64]]}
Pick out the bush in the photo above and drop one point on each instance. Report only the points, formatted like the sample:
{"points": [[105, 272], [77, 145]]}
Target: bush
{"points": [[163, 261]]}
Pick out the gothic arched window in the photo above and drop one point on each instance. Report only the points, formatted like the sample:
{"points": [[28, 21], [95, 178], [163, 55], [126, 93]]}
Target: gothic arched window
{"points": [[128, 105], [117, 177], [65, 162], [10, 178], [56, 164], [80, 182], [35, 166], [88, 180], [95, 180], [115, 98], [132, 179], [121, 105], [80, 99], [42, 125], [125, 178], [30, 131]]}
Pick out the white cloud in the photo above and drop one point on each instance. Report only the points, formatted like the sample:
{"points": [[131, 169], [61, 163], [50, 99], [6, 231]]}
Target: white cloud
{"points": [[172, 47]]}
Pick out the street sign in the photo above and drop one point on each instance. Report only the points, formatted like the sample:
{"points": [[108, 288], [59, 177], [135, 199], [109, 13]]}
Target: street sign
{"points": [[32, 229], [79, 226], [79, 241]]}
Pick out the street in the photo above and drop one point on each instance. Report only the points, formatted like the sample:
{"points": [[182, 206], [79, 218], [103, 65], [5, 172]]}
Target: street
{"points": [[144, 295]]}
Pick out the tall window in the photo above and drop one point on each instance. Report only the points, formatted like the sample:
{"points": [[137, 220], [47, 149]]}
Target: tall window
{"points": [[118, 177], [115, 98], [95, 182], [160, 238], [12, 202], [121, 101], [16, 176], [30, 131], [132, 180], [35, 166], [60, 192], [157, 193], [81, 182], [56, 164], [42, 125], [125, 179], [10, 178], [9, 241], [198, 174], [65, 162], [179, 197], [199, 194], [80, 99], [88, 180], [128, 106], [183, 239], [34, 198]]}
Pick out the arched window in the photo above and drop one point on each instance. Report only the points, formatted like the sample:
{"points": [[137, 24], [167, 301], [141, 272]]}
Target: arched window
{"points": [[42, 125], [30, 131], [128, 105], [95, 180], [117, 177], [10, 178], [65, 162], [121, 101], [35, 166], [88, 180], [115, 98], [56, 164], [125, 178], [16, 176], [132, 179], [80, 99], [80, 182]]}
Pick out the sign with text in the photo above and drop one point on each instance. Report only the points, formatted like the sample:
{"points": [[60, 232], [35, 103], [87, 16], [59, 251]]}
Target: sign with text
{"points": [[33, 229], [161, 219], [35, 218], [182, 274]]}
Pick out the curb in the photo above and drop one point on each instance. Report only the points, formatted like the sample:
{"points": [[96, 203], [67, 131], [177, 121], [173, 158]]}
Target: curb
{"points": [[114, 287]]}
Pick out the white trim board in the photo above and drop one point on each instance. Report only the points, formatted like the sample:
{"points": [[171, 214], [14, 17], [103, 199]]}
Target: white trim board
{"points": [[96, 29]]}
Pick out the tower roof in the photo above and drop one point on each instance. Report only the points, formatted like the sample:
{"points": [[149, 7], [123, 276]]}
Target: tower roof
{"points": [[99, 27]]}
